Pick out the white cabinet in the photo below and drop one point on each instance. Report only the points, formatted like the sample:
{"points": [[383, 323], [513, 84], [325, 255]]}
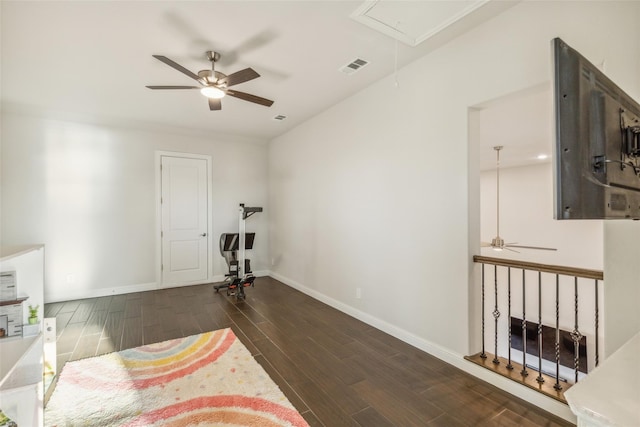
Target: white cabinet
{"points": [[21, 358], [21, 389], [610, 395], [11, 318]]}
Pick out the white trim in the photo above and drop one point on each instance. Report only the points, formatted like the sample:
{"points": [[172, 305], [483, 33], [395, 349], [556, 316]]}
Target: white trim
{"points": [[442, 353], [262, 273], [211, 280], [158, 175], [75, 294]]}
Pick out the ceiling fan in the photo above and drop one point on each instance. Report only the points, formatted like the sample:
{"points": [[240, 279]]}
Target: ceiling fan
{"points": [[498, 243], [215, 85]]}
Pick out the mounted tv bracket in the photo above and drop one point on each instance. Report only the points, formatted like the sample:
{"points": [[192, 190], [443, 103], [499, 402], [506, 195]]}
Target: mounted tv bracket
{"points": [[232, 249], [630, 126], [630, 147]]}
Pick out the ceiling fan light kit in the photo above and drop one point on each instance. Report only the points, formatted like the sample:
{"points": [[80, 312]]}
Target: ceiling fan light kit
{"points": [[212, 92], [214, 84], [497, 243]]}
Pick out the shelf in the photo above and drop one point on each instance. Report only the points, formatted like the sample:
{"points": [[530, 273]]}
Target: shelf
{"points": [[9, 252], [12, 302], [18, 357]]}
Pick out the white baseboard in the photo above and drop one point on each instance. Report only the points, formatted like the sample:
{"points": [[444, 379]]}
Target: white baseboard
{"points": [[548, 404], [75, 294]]}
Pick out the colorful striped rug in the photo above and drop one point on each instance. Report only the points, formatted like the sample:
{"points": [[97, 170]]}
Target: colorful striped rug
{"points": [[202, 380]]}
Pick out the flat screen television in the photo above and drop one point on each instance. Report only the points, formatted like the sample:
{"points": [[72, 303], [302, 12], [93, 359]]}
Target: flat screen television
{"points": [[597, 142]]}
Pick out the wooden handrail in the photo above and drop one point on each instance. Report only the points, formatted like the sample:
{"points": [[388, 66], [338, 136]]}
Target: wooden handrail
{"points": [[547, 268]]}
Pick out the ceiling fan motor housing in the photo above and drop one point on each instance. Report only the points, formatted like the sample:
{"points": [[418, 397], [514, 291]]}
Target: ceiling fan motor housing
{"points": [[212, 77]]}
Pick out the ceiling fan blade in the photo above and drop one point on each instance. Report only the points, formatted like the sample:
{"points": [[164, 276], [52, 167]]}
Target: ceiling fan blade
{"points": [[531, 247], [178, 67], [250, 98], [512, 250], [241, 77], [215, 104], [485, 244], [174, 87]]}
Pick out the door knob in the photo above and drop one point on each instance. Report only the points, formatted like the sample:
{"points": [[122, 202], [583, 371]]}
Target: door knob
{"points": [[204, 234]]}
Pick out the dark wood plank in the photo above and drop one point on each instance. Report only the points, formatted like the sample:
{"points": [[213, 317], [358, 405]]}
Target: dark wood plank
{"points": [[464, 404], [132, 333], [87, 347], [280, 360], [370, 417], [106, 345], [336, 370], [62, 320], [446, 420], [187, 324], [51, 310], [323, 406], [113, 327], [395, 407], [288, 391], [132, 308], [95, 323], [102, 303], [69, 338], [247, 326], [117, 303], [70, 306], [82, 312]]}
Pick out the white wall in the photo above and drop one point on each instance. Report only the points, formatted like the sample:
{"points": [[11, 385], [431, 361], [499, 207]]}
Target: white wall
{"points": [[526, 217], [88, 193], [622, 283], [373, 193], [621, 238]]}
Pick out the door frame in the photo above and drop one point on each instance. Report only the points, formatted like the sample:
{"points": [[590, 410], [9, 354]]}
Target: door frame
{"points": [[158, 229]]}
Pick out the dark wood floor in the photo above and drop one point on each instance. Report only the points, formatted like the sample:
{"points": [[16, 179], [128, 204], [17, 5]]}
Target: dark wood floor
{"points": [[336, 370]]}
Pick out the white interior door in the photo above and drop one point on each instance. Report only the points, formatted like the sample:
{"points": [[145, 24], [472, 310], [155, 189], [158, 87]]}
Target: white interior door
{"points": [[184, 220]]}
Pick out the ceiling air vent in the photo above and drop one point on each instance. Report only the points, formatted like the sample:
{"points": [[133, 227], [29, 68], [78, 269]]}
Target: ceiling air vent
{"points": [[354, 66], [279, 117]]}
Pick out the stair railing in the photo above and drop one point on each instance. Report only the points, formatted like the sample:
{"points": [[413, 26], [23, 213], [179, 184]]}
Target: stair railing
{"points": [[570, 297]]}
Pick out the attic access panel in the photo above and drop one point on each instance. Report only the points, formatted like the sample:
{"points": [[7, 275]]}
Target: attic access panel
{"points": [[413, 22]]}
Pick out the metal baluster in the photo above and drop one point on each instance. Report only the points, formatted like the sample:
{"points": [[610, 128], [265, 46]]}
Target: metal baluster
{"points": [[496, 313], [597, 322], [540, 379], [575, 334], [524, 371], [483, 354], [509, 365], [557, 385]]}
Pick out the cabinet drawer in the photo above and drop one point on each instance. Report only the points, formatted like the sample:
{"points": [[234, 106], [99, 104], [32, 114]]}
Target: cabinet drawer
{"points": [[14, 310], [8, 286], [14, 329]]}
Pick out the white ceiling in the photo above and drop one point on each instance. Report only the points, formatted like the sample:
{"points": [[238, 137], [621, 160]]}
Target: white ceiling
{"points": [[522, 124], [91, 60]]}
